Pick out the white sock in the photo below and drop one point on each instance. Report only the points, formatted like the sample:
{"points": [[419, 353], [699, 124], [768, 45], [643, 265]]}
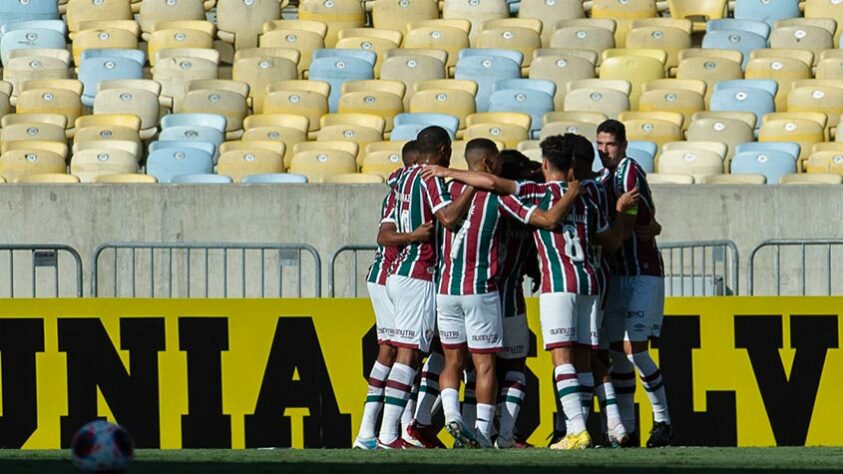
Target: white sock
{"points": [[451, 404], [568, 391], [586, 381], [469, 401], [485, 417], [623, 380], [374, 400], [651, 379], [397, 390], [512, 396], [409, 408], [429, 387], [609, 405]]}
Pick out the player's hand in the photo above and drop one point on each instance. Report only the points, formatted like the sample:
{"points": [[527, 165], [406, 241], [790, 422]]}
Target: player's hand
{"points": [[627, 201], [537, 284], [648, 232], [434, 171], [575, 187], [423, 233]]}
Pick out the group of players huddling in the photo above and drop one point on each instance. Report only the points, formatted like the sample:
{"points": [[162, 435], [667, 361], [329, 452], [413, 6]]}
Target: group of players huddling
{"points": [[448, 279]]}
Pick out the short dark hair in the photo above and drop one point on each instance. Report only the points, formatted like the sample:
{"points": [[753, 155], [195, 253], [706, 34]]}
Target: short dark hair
{"points": [[481, 144], [533, 172], [432, 139], [410, 147], [557, 150], [513, 164], [615, 128]]}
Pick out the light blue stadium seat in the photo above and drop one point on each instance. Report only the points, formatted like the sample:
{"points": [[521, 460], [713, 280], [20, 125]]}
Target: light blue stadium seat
{"points": [[167, 163], [742, 41], [448, 122], [768, 11], [745, 95], [486, 67], [648, 147], [337, 66], [106, 65], [410, 131], [530, 96], [275, 178], [791, 148], [41, 34], [209, 128], [731, 24], [205, 120], [772, 164], [13, 11], [201, 179], [646, 160], [206, 147]]}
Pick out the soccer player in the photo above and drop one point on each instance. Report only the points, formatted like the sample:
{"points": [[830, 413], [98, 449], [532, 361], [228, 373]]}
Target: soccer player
{"points": [[376, 283], [410, 284], [569, 276], [468, 303], [635, 308]]}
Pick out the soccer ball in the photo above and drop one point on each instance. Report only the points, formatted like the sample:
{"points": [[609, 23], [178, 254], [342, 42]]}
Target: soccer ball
{"points": [[100, 446]]}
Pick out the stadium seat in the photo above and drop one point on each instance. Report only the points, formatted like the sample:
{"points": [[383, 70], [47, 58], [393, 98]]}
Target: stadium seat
{"points": [[289, 129], [745, 95], [260, 67], [664, 178], [361, 129], [125, 178], [30, 127], [59, 148], [697, 163], [106, 127], [318, 164], [783, 70], [486, 67], [731, 129], [306, 98], [274, 146], [129, 146], [697, 10], [684, 96], [787, 35], [519, 34], [811, 179], [766, 10], [35, 34], [14, 12], [561, 69], [407, 126], [743, 41], [718, 148], [804, 128], [444, 100], [79, 11], [733, 179], [151, 12], [104, 35], [237, 164], [829, 67], [382, 160], [399, 14], [27, 64], [595, 35], [550, 12], [507, 127], [375, 97], [813, 95], [667, 34], [180, 34], [47, 96], [17, 163], [656, 127], [634, 66], [828, 162], [193, 127], [337, 14], [354, 178], [168, 162], [414, 66], [97, 162], [446, 35], [770, 163], [275, 178], [477, 11], [710, 66], [644, 153], [580, 123], [623, 12], [239, 23], [218, 97], [530, 96], [201, 179], [336, 66], [370, 39], [108, 65], [47, 178], [205, 147], [457, 160], [732, 24], [610, 97], [303, 36], [139, 97], [176, 67], [825, 9]]}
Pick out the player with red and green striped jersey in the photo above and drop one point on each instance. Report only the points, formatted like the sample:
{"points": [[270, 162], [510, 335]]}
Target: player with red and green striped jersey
{"points": [[635, 308]]}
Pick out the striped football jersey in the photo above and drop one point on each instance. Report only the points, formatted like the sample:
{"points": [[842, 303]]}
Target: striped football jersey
{"points": [[517, 249], [384, 255], [595, 190], [416, 202]]}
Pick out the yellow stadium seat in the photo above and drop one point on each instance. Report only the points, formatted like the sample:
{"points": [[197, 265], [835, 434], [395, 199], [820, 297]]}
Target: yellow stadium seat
{"points": [[507, 127], [511, 33], [457, 160], [220, 97], [139, 97], [718, 148], [27, 64], [176, 67], [728, 129], [104, 35], [476, 11], [732, 179], [580, 123], [47, 178], [275, 146], [306, 98], [561, 69], [550, 12], [439, 34], [125, 178], [288, 129], [587, 34], [598, 95], [632, 67], [805, 128], [361, 129], [382, 158], [708, 69], [698, 10], [825, 9], [656, 127], [811, 179], [805, 56], [354, 178], [783, 70], [697, 163], [32, 127], [318, 164], [815, 95], [239, 23], [828, 162], [456, 102], [237, 164], [665, 178], [807, 37], [337, 14], [370, 39], [5, 98], [413, 66], [830, 68], [684, 96], [132, 147], [59, 148], [180, 34], [79, 11], [109, 127], [375, 97], [399, 14], [667, 34], [51, 96], [97, 162], [260, 67], [155, 11], [623, 12], [303, 36]]}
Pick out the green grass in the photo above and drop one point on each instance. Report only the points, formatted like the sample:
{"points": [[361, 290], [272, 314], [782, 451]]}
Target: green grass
{"points": [[532, 461]]}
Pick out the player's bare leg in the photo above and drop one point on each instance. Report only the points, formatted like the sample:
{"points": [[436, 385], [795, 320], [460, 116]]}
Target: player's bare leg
{"points": [[486, 393], [600, 364], [568, 391], [396, 393], [638, 353], [512, 393], [374, 397]]}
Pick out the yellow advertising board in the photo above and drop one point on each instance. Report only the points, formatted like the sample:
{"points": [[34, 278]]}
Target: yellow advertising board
{"points": [[286, 372]]}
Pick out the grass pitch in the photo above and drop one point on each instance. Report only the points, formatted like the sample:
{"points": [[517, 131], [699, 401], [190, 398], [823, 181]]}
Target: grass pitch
{"points": [[532, 461]]}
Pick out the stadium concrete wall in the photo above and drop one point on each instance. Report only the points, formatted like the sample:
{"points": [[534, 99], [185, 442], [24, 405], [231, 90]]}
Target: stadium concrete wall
{"points": [[328, 216], [292, 372]]}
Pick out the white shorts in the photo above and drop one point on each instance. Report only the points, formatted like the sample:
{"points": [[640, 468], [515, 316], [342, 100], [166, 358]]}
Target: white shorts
{"points": [[414, 303], [384, 312], [470, 320], [516, 337], [569, 319], [636, 308]]}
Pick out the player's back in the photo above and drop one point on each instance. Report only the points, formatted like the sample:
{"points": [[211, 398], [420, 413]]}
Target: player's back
{"points": [[385, 255]]}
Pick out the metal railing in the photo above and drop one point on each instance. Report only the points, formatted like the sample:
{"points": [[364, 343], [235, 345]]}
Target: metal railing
{"points": [[702, 268], [355, 274], [802, 245], [41, 256], [174, 273]]}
